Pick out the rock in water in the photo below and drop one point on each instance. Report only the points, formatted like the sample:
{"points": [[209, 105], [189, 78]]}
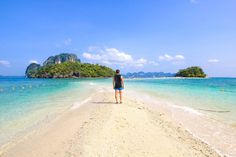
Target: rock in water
{"points": [[32, 69]]}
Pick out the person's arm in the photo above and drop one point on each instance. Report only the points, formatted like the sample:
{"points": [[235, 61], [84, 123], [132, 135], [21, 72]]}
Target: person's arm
{"points": [[122, 82], [113, 83]]}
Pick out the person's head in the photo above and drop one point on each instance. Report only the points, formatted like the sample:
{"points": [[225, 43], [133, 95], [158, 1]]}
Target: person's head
{"points": [[117, 71]]}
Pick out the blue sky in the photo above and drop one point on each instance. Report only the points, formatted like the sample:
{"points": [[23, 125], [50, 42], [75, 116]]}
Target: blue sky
{"points": [[133, 35]]}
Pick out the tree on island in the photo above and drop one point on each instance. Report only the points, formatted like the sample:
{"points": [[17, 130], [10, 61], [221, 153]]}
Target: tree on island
{"points": [[67, 66], [194, 71]]}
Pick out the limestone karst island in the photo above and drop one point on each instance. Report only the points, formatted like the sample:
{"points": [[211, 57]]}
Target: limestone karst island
{"points": [[67, 66]]}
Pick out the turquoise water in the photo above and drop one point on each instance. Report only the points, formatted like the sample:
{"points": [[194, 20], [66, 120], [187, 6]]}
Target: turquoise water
{"points": [[213, 96], [26, 103], [204, 107]]}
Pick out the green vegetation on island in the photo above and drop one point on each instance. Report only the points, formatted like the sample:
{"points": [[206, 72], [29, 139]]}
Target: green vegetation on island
{"points": [[194, 71], [67, 66]]}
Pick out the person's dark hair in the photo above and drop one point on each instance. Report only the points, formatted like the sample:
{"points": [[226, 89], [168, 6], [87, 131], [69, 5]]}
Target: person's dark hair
{"points": [[117, 71]]}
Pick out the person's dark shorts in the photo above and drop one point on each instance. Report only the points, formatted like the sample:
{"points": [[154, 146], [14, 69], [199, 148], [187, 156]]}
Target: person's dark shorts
{"points": [[119, 88]]}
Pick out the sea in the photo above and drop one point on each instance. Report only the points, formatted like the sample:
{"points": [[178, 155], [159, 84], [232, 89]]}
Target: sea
{"points": [[205, 107]]}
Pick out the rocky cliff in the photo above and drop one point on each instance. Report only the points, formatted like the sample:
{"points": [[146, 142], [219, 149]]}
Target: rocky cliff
{"points": [[61, 58], [32, 70]]}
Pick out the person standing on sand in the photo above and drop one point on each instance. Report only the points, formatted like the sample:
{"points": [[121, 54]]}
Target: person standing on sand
{"points": [[118, 85]]}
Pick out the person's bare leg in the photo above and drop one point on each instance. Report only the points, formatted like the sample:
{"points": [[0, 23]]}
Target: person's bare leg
{"points": [[116, 95], [120, 92]]}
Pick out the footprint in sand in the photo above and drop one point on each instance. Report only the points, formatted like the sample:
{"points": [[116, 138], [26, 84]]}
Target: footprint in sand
{"points": [[140, 108]]}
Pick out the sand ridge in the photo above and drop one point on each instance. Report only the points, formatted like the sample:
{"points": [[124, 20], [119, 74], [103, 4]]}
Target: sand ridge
{"points": [[101, 128]]}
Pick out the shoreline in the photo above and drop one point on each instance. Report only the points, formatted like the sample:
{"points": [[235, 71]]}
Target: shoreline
{"points": [[99, 127], [219, 135]]}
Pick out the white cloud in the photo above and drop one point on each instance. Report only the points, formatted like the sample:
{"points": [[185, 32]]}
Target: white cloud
{"points": [[33, 61], [167, 57], [179, 57], [112, 56], [4, 63], [92, 56], [117, 55], [213, 60], [140, 62], [67, 41], [153, 63], [176, 60]]}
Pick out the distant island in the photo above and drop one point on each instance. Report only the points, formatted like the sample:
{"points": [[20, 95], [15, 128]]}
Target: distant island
{"points": [[66, 65], [148, 75], [193, 71]]}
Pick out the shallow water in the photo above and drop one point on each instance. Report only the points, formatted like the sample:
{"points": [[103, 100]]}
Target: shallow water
{"points": [[27, 103], [212, 96], [206, 107]]}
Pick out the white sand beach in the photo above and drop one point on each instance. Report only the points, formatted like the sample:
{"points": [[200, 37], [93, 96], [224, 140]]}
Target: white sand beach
{"points": [[100, 128]]}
